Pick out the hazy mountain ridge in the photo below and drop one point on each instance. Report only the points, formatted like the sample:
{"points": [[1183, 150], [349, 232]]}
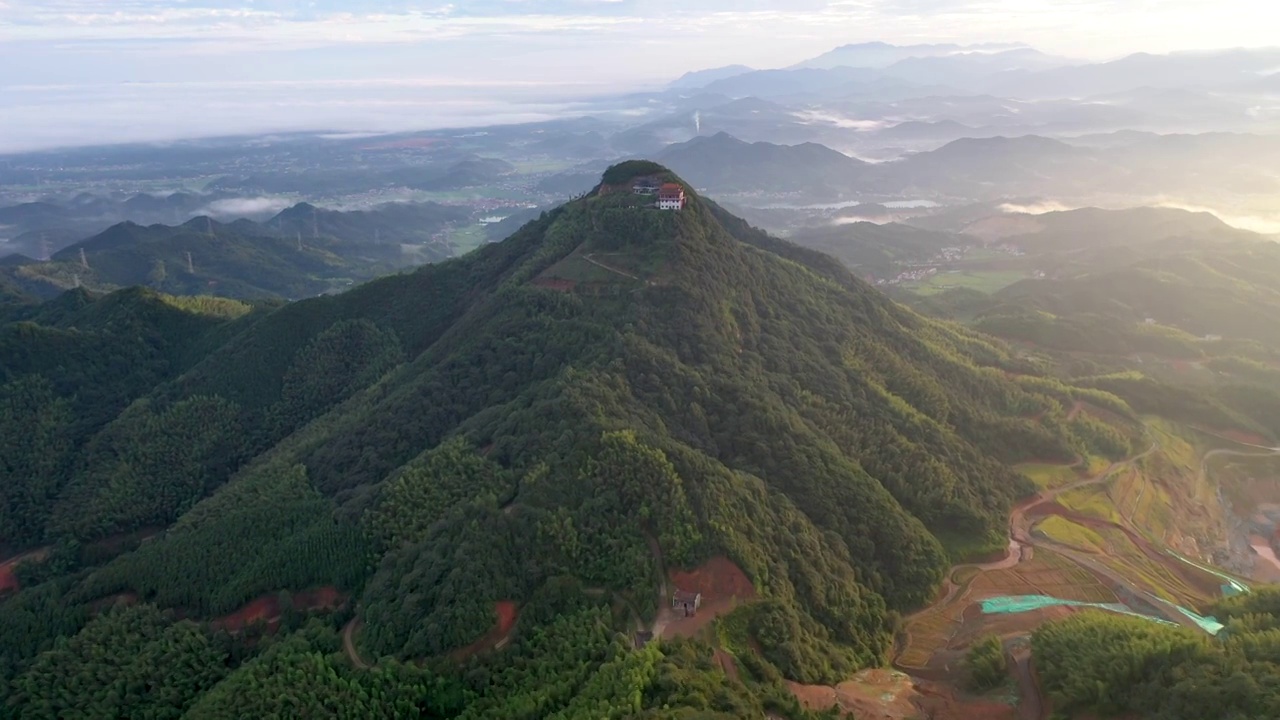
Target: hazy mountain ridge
{"points": [[302, 251]]}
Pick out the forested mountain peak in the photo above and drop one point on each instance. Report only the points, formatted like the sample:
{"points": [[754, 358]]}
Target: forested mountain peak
{"points": [[557, 422]]}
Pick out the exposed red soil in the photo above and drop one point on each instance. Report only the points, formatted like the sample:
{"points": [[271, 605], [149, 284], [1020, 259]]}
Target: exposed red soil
{"points": [[267, 610], [113, 545], [728, 664], [123, 542], [719, 577], [978, 625], [888, 695], [1075, 410], [723, 585], [1266, 568], [508, 612], [941, 702], [553, 283], [124, 598], [876, 694], [8, 582]]}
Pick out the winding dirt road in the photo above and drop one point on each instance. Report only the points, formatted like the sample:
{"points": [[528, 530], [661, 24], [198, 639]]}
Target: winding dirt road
{"points": [[349, 645], [1204, 464]]}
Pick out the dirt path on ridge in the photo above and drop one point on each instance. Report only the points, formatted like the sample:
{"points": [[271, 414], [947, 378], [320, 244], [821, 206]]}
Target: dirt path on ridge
{"points": [[1032, 705], [664, 607], [349, 645], [591, 259]]}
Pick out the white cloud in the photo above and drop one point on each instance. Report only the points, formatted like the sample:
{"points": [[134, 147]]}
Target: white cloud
{"points": [[1038, 208], [816, 117], [245, 207], [1259, 223]]}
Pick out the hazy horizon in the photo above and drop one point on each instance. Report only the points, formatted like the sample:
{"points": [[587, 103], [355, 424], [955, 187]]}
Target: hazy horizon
{"points": [[72, 74]]}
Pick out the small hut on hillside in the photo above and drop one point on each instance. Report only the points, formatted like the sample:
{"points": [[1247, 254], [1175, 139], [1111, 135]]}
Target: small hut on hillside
{"points": [[688, 602]]}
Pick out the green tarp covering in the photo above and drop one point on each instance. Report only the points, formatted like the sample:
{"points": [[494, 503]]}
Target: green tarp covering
{"points": [[1026, 603]]}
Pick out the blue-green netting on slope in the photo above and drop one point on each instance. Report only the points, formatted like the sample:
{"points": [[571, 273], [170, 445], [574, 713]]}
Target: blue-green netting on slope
{"points": [[1027, 603], [1232, 587]]}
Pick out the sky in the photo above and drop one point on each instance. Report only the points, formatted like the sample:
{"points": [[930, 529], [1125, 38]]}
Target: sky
{"points": [[73, 57]]}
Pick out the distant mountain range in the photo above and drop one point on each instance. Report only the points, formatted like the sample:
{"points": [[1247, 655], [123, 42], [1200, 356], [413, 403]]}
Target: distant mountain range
{"points": [[990, 168], [56, 221], [700, 78], [1011, 71], [880, 55], [300, 252], [726, 164]]}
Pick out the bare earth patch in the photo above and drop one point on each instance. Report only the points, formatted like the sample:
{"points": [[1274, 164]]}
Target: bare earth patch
{"points": [[267, 609], [724, 586], [892, 695], [508, 612]]}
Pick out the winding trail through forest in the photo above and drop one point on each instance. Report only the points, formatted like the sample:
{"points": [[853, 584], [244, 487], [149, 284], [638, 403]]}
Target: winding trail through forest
{"points": [[663, 615], [349, 644]]}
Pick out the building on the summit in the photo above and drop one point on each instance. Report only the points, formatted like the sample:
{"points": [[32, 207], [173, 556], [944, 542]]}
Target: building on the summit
{"points": [[671, 197]]}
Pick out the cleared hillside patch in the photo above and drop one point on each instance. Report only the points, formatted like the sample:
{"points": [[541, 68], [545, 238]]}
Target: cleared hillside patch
{"points": [[1047, 476], [1064, 531]]}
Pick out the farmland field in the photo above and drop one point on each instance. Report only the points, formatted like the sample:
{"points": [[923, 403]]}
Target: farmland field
{"points": [[984, 281]]}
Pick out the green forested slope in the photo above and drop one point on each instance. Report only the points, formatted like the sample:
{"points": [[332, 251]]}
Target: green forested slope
{"points": [[1189, 329], [300, 253], [1115, 666], [549, 420]]}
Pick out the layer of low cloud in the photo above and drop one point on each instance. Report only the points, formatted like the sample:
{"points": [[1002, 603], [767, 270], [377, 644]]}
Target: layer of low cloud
{"points": [[1259, 223]]}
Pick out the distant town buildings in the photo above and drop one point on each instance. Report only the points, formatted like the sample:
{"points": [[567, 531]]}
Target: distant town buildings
{"points": [[910, 276]]}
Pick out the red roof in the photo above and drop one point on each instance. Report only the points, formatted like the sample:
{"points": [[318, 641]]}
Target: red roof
{"points": [[672, 187]]}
